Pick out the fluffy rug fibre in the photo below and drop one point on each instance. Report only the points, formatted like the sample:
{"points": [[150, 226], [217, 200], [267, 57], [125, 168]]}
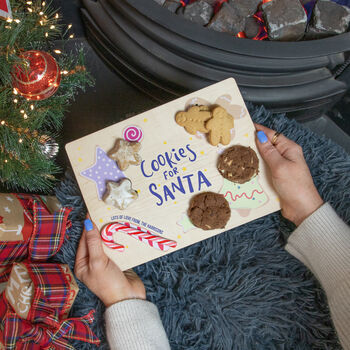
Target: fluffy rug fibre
{"points": [[241, 289]]}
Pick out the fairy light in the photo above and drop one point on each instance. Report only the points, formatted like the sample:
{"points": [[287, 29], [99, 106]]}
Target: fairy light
{"points": [[25, 116], [3, 122], [15, 100], [57, 51], [41, 23], [20, 140], [43, 4], [70, 26], [52, 27], [9, 20], [8, 27], [22, 111], [32, 107], [29, 2], [46, 34], [6, 160], [65, 72], [41, 13], [17, 20], [30, 9], [57, 16], [71, 36], [15, 91]]}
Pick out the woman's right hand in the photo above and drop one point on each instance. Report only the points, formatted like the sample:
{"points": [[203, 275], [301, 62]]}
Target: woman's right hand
{"points": [[290, 175], [100, 274]]}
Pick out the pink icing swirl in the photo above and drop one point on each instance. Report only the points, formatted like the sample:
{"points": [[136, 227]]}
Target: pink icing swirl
{"points": [[133, 134]]}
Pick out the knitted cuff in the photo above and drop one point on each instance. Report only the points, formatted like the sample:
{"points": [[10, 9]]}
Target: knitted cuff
{"points": [[135, 324], [322, 243]]}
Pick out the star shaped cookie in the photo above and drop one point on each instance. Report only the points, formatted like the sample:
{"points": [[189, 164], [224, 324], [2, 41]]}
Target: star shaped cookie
{"points": [[125, 153], [120, 194]]}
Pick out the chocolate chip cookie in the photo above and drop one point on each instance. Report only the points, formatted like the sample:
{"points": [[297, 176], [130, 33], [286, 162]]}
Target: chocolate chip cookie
{"points": [[238, 164], [209, 210]]}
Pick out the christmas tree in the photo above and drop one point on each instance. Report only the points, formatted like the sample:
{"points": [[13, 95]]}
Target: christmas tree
{"points": [[32, 68]]}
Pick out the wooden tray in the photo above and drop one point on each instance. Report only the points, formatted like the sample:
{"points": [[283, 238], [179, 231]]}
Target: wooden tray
{"points": [[164, 194]]}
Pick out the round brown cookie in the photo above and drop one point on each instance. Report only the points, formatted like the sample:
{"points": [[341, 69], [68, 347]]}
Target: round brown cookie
{"points": [[209, 210], [238, 164]]}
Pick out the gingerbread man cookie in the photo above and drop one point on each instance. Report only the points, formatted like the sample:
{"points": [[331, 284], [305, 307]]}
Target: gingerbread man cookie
{"points": [[125, 153], [119, 194], [194, 119], [219, 127]]}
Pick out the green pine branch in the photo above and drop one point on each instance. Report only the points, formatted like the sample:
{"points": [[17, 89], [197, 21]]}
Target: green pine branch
{"points": [[35, 25]]}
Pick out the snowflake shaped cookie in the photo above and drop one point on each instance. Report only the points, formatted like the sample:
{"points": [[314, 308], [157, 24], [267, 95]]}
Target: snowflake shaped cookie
{"points": [[120, 194]]}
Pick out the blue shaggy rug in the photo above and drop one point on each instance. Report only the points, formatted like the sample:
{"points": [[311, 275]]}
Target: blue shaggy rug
{"points": [[241, 289]]}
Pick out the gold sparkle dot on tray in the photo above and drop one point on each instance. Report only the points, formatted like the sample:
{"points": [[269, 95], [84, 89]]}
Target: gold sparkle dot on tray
{"points": [[138, 191], [164, 142], [178, 236], [245, 135], [101, 220], [80, 159], [108, 208], [175, 202], [145, 120], [201, 152], [79, 148], [158, 185], [126, 246], [190, 138], [205, 169], [277, 199], [184, 168]]}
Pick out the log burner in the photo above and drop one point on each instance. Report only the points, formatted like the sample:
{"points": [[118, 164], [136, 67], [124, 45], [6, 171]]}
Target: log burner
{"points": [[167, 56]]}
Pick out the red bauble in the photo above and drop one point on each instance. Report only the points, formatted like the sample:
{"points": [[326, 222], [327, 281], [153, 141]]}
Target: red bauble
{"points": [[40, 79]]}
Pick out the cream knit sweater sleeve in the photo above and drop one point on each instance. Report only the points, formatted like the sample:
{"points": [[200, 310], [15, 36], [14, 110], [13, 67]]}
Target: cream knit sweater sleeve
{"points": [[322, 243], [135, 325]]}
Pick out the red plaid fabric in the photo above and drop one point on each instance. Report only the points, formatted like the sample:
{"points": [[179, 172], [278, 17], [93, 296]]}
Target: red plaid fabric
{"points": [[5, 273], [49, 230], [13, 251], [51, 288], [44, 327], [44, 240]]}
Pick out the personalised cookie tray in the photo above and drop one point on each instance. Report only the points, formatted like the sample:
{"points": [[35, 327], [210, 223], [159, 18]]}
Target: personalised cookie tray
{"points": [[156, 180]]}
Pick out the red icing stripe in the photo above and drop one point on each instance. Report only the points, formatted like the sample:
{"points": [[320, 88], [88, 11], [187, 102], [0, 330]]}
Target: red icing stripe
{"points": [[243, 194]]}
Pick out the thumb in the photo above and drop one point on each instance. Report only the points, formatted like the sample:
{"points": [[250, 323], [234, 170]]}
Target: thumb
{"points": [[93, 240], [268, 152]]}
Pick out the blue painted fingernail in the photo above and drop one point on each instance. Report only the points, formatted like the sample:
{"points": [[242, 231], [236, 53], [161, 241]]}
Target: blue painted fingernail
{"points": [[261, 136], [88, 225]]}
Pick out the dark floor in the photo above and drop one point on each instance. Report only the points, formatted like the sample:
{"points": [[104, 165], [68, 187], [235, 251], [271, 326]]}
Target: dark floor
{"points": [[112, 99]]}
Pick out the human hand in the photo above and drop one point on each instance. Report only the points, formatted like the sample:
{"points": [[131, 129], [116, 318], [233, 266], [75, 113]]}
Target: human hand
{"points": [[290, 175], [100, 274]]}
